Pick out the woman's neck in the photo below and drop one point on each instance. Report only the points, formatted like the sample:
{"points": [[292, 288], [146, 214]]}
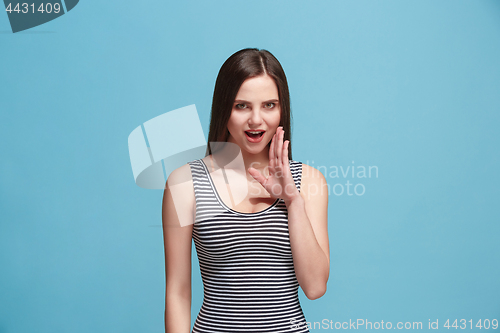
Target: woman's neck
{"points": [[258, 161], [228, 152]]}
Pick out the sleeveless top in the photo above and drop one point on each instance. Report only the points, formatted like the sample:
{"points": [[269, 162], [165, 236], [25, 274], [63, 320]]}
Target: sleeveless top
{"points": [[246, 263]]}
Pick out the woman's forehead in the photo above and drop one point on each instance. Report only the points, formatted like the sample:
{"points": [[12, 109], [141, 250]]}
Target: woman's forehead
{"points": [[258, 88]]}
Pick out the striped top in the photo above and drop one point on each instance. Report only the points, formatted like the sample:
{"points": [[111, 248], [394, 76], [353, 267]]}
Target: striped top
{"points": [[246, 263]]}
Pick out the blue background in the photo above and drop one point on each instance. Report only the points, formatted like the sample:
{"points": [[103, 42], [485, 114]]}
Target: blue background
{"points": [[409, 87]]}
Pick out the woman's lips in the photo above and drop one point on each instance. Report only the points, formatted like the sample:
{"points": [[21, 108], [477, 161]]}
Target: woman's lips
{"points": [[254, 138]]}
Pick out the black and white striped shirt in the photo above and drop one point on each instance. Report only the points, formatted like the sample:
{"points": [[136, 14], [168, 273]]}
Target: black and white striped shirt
{"points": [[245, 262]]}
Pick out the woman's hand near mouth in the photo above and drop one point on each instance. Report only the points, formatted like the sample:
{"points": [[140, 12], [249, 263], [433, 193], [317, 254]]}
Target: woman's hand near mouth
{"points": [[280, 183]]}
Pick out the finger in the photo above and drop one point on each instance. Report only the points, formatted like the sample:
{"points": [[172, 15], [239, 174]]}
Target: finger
{"points": [[285, 156], [280, 147], [285, 151], [271, 154], [257, 176], [275, 150]]}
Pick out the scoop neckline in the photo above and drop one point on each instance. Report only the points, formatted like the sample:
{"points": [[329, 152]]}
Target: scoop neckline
{"points": [[222, 202]]}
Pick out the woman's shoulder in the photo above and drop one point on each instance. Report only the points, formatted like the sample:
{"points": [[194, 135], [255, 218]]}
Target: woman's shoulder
{"points": [[180, 195], [184, 172], [310, 173], [180, 174], [314, 187], [180, 184]]}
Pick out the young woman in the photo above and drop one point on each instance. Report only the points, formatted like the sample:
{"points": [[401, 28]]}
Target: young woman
{"points": [[253, 252]]}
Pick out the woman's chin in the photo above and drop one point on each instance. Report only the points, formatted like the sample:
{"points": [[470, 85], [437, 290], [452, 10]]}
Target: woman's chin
{"points": [[254, 150]]}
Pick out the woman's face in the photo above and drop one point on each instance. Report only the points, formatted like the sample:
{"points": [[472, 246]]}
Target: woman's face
{"points": [[256, 109]]}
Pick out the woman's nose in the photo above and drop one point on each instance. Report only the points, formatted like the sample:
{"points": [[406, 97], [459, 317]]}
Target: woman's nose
{"points": [[255, 116]]}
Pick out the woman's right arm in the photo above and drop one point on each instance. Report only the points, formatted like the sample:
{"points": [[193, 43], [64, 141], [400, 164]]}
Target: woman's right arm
{"points": [[177, 219]]}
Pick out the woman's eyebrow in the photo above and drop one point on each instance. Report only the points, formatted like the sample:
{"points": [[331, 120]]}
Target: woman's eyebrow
{"points": [[247, 102]]}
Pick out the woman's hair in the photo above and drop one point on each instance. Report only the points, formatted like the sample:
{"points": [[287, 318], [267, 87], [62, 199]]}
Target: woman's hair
{"points": [[242, 65]]}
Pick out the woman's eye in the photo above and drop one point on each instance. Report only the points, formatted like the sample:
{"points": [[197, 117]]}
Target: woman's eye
{"points": [[241, 106], [270, 105]]}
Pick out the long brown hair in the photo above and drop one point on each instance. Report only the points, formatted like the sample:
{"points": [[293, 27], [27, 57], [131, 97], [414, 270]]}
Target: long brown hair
{"points": [[242, 65]]}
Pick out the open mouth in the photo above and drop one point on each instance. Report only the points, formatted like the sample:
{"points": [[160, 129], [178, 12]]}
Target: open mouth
{"points": [[254, 134]]}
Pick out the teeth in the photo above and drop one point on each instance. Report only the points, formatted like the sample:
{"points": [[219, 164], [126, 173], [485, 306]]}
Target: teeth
{"points": [[254, 132]]}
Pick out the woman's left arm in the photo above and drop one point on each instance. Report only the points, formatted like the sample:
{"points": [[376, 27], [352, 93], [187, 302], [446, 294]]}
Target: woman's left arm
{"points": [[307, 215], [308, 230]]}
